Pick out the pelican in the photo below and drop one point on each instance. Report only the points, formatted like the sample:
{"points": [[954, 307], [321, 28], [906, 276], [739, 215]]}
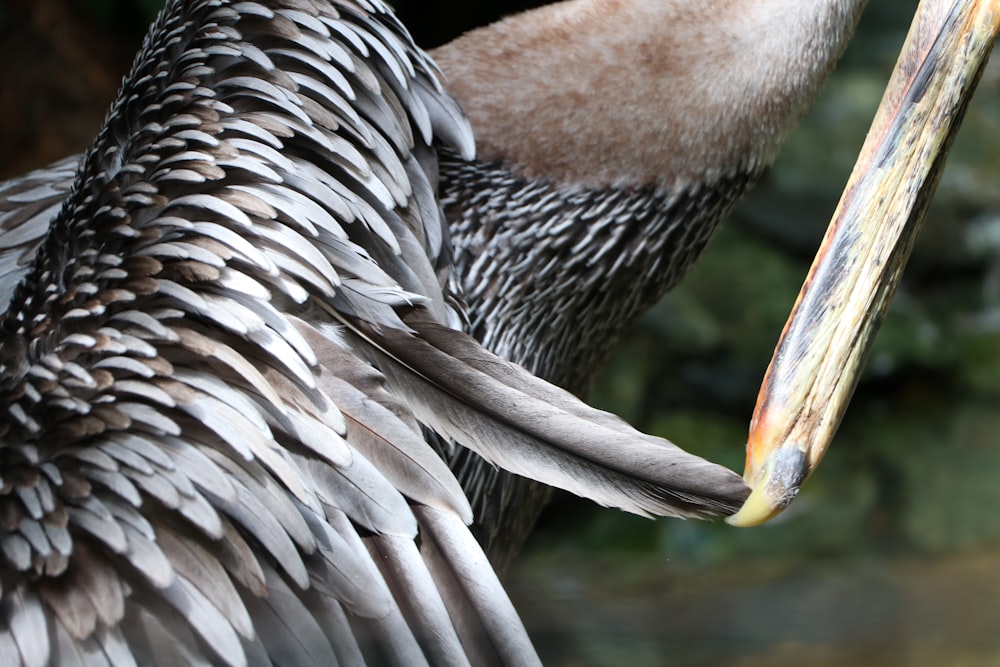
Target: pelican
{"points": [[222, 358]]}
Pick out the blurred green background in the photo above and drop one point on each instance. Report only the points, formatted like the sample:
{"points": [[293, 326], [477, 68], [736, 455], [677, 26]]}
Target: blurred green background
{"points": [[889, 556]]}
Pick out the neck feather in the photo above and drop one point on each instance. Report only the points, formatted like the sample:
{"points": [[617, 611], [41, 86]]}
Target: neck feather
{"points": [[645, 92]]}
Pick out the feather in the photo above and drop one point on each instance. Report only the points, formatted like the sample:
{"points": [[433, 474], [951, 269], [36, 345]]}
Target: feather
{"points": [[103, 586], [390, 639], [167, 643], [30, 500], [392, 445], [71, 606], [103, 649], [317, 434], [128, 364], [196, 509], [240, 560], [306, 21], [278, 322], [407, 574], [145, 390], [256, 169], [377, 601], [450, 124], [205, 346], [146, 556], [239, 425], [125, 455], [206, 620], [287, 627], [339, 632], [236, 243], [91, 591], [204, 572], [364, 494], [537, 430], [152, 418], [94, 517], [113, 481], [59, 537], [71, 651], [460, 562], [115, 647], [250, 512], [300, 259], [27, 205], [16, 550], [35, 535], [155, 486], [25, 617], [345, 574], [139, 446], [200, 469]]}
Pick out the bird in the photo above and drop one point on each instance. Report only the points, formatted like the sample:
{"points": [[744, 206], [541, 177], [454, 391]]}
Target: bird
{"points": [[228, 358], [521, 203]]}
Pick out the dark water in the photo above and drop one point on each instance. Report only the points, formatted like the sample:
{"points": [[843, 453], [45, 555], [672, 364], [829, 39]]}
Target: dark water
{"points": [[845, 610]]}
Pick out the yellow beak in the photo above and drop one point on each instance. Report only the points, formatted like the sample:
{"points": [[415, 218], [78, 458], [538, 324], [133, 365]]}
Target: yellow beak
{"points": [[826, 340]]}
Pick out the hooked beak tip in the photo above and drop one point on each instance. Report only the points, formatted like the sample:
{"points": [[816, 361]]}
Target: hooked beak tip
{"points": [[773, 487], [757, 509]]}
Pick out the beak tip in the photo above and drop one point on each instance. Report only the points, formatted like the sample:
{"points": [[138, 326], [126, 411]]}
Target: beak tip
{"points": [[775, 487], [757, 509]]}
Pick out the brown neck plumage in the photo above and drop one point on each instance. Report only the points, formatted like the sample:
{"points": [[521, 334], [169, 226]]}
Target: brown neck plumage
{"points": [[640, 92]]}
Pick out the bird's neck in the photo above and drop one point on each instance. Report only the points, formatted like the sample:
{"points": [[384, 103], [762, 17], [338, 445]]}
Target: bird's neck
{"points": [[613, 136], [637, 92], [553, 274]]}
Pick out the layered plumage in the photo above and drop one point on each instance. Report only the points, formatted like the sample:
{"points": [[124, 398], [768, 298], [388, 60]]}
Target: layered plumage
{"points": [[218, 368]]}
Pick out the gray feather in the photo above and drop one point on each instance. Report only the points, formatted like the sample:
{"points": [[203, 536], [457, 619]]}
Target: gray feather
{"points": [[191, 561], [288, 627], [467, 563], [407, 574], [362, 492], [537, 430], [207, 621], [25, 617]]}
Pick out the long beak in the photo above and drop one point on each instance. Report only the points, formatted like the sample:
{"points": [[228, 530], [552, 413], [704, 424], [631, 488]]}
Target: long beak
{"points": [[826, 340]]}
